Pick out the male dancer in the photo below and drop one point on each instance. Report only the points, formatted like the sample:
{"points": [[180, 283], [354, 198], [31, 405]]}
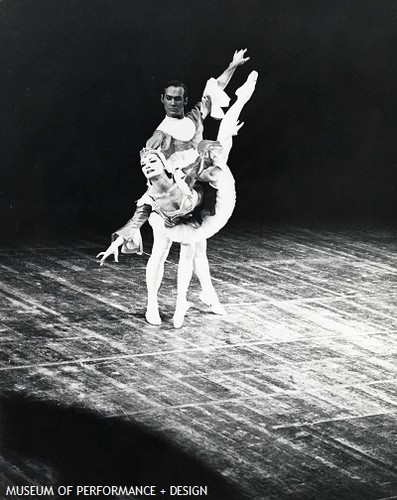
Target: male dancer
{"points": [[180, 133]]}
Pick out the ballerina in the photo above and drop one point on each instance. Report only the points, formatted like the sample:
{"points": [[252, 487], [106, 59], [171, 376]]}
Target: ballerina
{"points": [[174, 206]]}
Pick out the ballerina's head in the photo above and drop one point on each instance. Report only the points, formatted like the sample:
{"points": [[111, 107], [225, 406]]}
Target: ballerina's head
{"points": [[153, 163]]}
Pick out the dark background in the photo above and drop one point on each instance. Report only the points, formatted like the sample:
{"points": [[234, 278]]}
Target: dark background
{"points": [[80, 92]]}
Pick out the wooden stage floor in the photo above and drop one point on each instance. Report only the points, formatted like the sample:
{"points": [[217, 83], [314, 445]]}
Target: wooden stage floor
{"points": [[292, 395]]}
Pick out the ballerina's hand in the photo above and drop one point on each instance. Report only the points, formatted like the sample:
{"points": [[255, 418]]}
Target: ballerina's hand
{"points": [[238, 58], [113, 249]]}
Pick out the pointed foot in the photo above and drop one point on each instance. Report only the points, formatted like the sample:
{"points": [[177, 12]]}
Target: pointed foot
{"points": [[247, 89], [212, 301], [180, 313]]}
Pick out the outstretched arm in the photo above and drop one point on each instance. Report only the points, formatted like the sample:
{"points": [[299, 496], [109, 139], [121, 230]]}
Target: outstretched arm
{"points": [[238, 60]]}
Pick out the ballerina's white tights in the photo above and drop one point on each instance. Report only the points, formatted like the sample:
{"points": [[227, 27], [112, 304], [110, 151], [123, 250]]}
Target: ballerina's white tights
{"points": [[192, 257]]}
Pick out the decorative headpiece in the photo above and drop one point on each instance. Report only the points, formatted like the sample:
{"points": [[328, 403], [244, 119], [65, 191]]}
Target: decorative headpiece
{"points": [[150, 151]]}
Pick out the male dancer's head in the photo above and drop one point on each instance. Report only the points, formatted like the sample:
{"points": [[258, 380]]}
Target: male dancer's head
{"points": [[174, 99]]}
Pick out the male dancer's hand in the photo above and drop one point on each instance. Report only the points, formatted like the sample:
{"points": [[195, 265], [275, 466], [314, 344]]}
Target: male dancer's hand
{"points": [[238, 58]]}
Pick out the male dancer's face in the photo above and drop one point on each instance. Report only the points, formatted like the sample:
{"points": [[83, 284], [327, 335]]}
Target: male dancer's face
{"points": [[174, 102]]}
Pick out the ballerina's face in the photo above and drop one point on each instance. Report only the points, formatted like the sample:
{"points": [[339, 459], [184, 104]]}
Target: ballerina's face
{"points": [[152, 166]]}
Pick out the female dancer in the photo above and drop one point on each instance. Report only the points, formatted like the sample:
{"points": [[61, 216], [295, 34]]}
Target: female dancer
{"points": [[174, 206]]}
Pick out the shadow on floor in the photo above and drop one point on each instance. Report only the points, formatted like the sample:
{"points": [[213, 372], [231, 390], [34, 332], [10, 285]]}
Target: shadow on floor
{"points": [[86, 449]]}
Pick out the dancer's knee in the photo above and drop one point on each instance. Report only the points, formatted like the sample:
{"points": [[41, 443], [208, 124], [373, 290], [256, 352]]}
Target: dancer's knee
{"points": [[160, 250], [201, 250], [187, 252]]}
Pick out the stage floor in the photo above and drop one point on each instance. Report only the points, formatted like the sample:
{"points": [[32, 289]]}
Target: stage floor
{"points": [[291, 395]]}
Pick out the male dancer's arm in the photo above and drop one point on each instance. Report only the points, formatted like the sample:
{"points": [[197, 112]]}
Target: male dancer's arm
{"points": [[238, 60], [215, 88]]}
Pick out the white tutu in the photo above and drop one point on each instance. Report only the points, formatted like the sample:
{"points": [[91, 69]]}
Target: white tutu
{"points": [[224, 206]]}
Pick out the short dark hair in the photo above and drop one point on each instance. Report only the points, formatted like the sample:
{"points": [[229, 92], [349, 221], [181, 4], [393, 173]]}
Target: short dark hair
{"points": [[175, 83]]}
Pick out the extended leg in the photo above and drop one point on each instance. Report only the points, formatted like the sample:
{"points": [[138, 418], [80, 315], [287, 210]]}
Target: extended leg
{"points": [[185, 271], [154, 276], [229, 125], [202, 269]]}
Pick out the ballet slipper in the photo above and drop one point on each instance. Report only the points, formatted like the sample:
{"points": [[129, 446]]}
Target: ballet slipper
{"points": [[247, 89], [152, 316], [212, 301], [180, 313]]}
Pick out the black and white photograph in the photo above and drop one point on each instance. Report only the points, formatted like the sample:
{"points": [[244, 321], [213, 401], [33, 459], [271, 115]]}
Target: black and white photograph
{"points": [[198, 249]]}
